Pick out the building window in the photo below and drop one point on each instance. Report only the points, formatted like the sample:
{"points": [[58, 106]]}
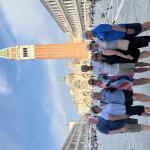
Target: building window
{"points": [[25, 52]]}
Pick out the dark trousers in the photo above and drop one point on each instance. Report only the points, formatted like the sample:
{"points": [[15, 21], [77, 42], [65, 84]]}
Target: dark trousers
{"points": [[135, 110], [138, 42]]}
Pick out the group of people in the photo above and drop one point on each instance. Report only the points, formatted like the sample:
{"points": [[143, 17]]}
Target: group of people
{"points": [[93, 138], [115, 54]]}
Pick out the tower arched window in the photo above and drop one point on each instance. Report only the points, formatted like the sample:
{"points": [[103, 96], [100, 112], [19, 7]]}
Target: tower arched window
{"points": [[25, 52]]}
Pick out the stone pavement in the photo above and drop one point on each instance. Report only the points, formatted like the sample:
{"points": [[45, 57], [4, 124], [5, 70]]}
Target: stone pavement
{"points": [[126, 11]]}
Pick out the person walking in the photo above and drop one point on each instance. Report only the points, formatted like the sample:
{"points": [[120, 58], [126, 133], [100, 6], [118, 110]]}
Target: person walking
{"points": [[118, 82], [108, 127], [107, 32], [113, 57], [99, 67], [123, 97]]}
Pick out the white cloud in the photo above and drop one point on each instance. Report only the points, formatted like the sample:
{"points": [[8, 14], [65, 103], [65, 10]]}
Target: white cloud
{"points": [[30, 21], [59, 116], [5, 87]]}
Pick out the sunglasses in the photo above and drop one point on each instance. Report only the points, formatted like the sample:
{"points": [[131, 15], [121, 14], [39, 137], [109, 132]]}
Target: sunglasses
{"points": [[93, 42], [91, 45], [95, 56], [92, 82]]}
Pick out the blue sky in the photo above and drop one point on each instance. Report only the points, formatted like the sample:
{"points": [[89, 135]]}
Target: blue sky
{"points": [[34, 101]]}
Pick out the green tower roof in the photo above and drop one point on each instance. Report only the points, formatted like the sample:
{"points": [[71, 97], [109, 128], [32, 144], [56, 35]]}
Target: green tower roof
{"points": [[4, 53]]}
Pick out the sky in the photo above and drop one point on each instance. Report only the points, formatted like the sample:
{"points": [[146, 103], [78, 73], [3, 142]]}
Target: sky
{"points": [[35, 105]]}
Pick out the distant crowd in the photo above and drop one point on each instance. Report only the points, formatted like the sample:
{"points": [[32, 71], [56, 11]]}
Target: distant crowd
{"points": [[103, 14], [92, 136]]}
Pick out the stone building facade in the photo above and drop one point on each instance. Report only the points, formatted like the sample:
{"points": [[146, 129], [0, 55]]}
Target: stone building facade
{"points": [[71, 15]]}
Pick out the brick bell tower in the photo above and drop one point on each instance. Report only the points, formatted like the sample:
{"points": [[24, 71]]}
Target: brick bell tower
{"points": [[46, 51]]}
